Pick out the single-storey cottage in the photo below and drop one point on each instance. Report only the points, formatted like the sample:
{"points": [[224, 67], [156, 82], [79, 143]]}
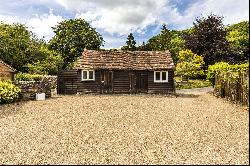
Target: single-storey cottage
{"points": [[119, 72], [6, 71]]}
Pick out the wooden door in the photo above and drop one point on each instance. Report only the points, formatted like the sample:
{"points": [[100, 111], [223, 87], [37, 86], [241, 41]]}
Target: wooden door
{"points": [[106, 81], [141, 82]]}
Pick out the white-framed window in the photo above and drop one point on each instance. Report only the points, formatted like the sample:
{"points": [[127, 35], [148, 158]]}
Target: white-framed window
{"points": [[88, 75], [160, 76]]}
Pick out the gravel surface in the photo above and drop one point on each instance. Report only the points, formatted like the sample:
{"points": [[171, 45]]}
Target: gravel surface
{"points": [[124, 129], [196, 90]]}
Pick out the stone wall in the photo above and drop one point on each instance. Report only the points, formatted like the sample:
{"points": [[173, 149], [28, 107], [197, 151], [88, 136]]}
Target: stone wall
{"points": [[30, 88]]}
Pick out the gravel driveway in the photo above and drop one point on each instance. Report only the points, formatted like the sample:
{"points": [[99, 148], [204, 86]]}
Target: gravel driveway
{"points": [[124, 129], [198, 91]]}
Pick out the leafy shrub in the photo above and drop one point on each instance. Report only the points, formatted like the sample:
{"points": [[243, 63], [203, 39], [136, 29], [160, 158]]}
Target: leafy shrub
{"points": [[189, 65], [8, 92], [50, 64], [192, 83], [28, 77], [223, 67]]}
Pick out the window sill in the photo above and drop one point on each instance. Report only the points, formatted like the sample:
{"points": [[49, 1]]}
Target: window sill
{"points": [[160, 81], [87, 80]]}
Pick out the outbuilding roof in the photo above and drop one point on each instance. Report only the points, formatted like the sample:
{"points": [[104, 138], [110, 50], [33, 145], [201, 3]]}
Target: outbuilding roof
{"points": [[5, 64], [125, 60]]}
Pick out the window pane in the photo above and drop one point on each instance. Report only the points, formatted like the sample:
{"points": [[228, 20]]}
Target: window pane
{"points": [[157, 76], [164, 76], [84, 75], [91, 75]]}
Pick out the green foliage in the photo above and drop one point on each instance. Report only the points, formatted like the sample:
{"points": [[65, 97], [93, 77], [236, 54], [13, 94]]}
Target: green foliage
{"points": [[28, 77], [8, 92], [214, 69], [242, 27], [142, 47], [166, 40], [130, 43], [208, 38], [176, 45], [238, 38], [72, 37], [49, 65], [222, 68], [189, 65], [23, 51], [192, 83], [161, 42], [18, 46]]}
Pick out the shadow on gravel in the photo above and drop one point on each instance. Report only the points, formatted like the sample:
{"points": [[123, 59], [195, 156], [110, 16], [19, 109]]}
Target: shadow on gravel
{"points": [[184, 95]]}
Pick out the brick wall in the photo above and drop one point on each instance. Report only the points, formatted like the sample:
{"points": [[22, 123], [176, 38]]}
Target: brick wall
{"points": [[5, 72]]}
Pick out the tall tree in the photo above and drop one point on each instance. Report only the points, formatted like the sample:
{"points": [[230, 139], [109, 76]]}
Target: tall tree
{"points": [[161, 41], [166, 40], [238, 38], [72, 37], [49, 64], [143, 47], [208, 38], [18, 46], [130, 43]]}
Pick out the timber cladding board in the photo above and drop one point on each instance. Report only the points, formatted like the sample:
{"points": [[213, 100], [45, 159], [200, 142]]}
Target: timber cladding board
{"points": [[166, 87], [121, 81], [88, 86], [66, 82]]}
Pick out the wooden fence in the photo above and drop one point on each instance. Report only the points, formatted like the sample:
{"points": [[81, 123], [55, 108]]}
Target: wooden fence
{"points": [[233, 86]]}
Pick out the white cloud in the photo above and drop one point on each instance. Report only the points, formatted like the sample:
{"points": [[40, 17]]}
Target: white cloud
{"points": [[124, 16], [41, 25], [114, 19], [232, 11], [120, 16], [9, 19], [113, 41]]}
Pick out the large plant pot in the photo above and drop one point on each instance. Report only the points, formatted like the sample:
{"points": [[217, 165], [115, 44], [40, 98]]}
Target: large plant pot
{"points": [[40, 96]]}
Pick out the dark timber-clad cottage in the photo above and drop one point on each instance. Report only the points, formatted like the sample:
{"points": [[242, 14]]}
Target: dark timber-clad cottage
{"points": [[119, 72]]}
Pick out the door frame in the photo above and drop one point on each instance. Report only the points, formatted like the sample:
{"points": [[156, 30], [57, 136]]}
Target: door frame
{"points": [[139, 87], [106, 81]]}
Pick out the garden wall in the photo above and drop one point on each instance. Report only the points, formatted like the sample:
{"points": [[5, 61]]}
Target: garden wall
{"points": [[233, 86], [30, 88]]}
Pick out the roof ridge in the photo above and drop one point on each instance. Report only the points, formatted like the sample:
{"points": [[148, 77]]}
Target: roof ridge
{"points": [[1, 61], [119, 59], [122, 51]]}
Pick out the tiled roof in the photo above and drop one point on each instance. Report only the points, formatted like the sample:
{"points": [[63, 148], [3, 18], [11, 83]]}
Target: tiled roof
{"points": [[11, 68], [125, 60]]}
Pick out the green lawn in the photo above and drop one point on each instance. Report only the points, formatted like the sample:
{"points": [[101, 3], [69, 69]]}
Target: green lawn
{"points": [[192, 83]]}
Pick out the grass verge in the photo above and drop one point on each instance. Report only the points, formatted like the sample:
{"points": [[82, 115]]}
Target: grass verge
{"points": [[192, 83]]}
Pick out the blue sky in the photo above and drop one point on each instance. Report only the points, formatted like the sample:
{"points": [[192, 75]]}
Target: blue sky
{"points": [[115, 19]]}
